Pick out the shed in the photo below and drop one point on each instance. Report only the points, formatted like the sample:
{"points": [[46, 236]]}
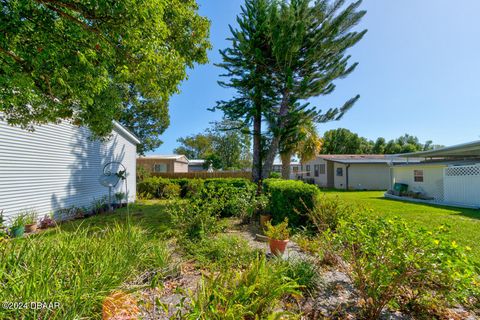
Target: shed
{"points": [[57, 166]]}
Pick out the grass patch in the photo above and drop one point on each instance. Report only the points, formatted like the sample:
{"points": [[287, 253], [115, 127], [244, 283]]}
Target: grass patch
{"points": [[77, 269], [464, 224], [81, 262], [222, 252]]}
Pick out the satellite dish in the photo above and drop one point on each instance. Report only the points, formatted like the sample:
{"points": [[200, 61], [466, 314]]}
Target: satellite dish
{"points": [[113, 172]]}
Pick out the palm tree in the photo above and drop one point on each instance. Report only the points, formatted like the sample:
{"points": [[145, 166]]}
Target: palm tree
{"points": [[304, 141]]}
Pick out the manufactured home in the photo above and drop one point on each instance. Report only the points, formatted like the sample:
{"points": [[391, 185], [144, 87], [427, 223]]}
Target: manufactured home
{"points": [[351, 172], [448, 176], [57, 166], [173, 163]]}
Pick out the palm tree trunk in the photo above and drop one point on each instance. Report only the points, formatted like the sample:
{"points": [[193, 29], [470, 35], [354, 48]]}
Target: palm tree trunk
{"points": [[286, 160]]}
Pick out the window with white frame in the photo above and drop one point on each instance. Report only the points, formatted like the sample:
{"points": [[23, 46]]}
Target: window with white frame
{"points": [[418, 175], [307, 169], [160, 167]]}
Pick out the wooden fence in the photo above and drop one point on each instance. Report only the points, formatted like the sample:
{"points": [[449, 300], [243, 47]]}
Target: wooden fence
{"points": [[203, 175]]}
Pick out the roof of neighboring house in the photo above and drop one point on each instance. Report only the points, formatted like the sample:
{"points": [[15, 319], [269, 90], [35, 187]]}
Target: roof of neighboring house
{"points": [[293, 163], [365, 158], [176, 157], [196, 162], [469, 149]]}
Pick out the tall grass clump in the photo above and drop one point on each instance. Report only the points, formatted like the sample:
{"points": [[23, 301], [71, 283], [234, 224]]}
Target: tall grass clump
{"points": [[250, 294], [76, 269]]}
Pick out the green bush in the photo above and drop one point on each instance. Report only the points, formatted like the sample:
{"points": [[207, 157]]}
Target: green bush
{"points": [[290, 199], [193, 187], [327, 212], [171, 191], [275, 175], [233, 199], [195, 218], [388, 258], [250, 294]]}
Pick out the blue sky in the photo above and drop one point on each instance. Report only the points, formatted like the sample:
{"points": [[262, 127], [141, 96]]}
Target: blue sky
{"points": [[418, 74]]}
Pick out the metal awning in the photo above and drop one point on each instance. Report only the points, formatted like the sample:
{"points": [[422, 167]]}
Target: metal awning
{"points": [[470, 149]]}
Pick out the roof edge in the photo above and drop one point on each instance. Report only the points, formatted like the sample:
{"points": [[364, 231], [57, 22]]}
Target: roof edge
{"points": [[127, 132]]}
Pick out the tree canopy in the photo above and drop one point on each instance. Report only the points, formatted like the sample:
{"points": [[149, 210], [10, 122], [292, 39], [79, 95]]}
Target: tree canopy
{"points": [[93, 61], [283, 53], [222, 146], [343, 141]]}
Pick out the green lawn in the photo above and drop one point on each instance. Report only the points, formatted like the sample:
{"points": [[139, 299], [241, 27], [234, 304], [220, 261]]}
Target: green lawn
{"points": [[464, 223]]}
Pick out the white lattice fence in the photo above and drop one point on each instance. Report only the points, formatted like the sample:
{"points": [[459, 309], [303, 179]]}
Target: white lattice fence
{"points": [[462, 184]]}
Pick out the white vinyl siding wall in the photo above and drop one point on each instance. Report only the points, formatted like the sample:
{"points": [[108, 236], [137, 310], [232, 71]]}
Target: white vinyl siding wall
{"points": [[57, 166]]}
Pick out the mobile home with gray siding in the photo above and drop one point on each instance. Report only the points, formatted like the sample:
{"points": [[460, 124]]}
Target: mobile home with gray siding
{"points": [[57, 166]]}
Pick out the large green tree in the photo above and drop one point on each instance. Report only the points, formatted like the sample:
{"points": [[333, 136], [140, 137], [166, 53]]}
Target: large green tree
{"points": [[343, 141], [282, 54], [223, 146], [93, 61], [309, 43], [247, 64]]}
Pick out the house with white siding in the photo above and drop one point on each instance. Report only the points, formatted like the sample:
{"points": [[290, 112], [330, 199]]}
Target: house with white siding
{"points": [[449, 176], [57, 166]]}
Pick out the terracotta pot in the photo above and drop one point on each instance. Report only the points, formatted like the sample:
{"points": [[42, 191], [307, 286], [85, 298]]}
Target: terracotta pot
{"points": [[263, 220], [277, 247], [30, 228]]}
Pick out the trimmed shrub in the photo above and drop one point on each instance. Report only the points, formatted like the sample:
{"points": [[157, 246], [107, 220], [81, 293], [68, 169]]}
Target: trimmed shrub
{"points": [[392, 263], [290, 199]]}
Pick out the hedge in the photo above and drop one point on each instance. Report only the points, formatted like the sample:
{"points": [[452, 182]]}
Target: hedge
{"points": [[154, 187], [290, 199]]}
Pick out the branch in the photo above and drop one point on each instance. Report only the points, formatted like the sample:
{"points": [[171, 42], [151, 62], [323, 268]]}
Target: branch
{"points": [[13, 56]]}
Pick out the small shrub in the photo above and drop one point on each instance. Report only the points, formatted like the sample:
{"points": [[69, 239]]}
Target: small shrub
{"points": [[171, 191], [387, 258], [195, 218], [304, 272], [275, 175], [279, 231], [193, 187], [231, 200], [290, 199], [250, 294], [327, 212]]}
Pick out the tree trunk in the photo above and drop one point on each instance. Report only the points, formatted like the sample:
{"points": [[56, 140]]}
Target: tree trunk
{"points": [[286, 159], [281, 123], [257, 147]]}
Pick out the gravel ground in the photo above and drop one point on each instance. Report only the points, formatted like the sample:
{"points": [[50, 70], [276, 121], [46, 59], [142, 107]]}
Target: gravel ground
{"points": [[335, 297]]}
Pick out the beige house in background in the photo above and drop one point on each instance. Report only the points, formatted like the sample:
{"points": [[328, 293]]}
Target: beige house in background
{"points": [[351, 172], [164, 163]]}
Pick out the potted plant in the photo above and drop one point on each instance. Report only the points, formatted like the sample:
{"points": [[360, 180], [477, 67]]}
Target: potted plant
{"points": [[30, 221], [261, 204], [17, 228], [47, 222], [278, 237]]}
